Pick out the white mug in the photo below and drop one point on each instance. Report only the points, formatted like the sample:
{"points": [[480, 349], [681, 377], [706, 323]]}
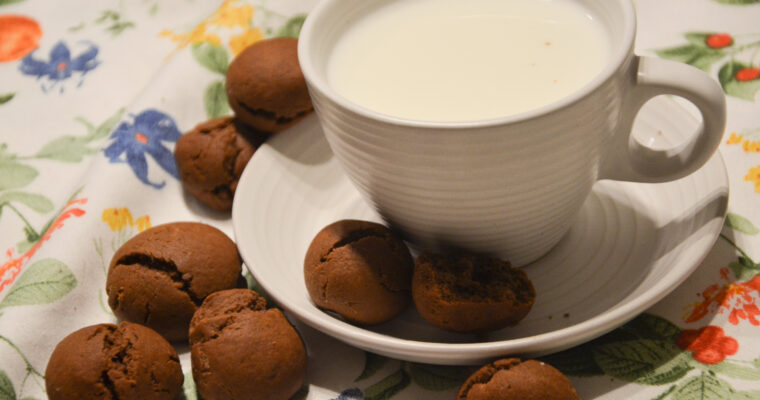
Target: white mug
{"points": [[508, 186]]}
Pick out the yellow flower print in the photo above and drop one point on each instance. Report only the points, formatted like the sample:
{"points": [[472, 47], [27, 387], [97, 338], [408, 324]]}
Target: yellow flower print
{"points": [[754, 176], [734, 138], [239, 42], [143, 223], [117, 218], [196, 36], [230, 16]]}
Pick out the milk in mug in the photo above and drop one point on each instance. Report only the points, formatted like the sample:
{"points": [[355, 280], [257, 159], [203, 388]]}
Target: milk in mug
{"points": [[467, 60]]}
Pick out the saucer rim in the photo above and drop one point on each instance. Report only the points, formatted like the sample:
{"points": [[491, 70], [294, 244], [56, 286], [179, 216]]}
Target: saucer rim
{"points": [[473, 352]]}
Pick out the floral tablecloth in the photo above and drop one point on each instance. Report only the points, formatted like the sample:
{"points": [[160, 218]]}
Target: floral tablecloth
{"points": [[93, 96]]}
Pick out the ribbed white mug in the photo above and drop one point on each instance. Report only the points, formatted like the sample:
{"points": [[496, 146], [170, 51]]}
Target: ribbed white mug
{"points": [[508, 186]]}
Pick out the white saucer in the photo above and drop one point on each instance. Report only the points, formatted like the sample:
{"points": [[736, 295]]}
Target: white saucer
{"points": [[630, 246]]}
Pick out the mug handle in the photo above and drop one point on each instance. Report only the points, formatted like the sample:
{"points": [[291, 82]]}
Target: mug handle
{"points": [[629, 160]]}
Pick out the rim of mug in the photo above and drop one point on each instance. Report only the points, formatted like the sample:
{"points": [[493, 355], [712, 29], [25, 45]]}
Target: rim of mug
{"points": [[319, 83]]}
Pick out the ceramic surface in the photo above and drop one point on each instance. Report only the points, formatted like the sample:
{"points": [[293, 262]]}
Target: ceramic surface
{"points": [[630, 245], [512, 185]]}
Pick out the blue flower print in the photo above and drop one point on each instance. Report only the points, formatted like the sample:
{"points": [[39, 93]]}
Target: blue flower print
{"points": [[350, 394], [60, 66], [147, 134]]}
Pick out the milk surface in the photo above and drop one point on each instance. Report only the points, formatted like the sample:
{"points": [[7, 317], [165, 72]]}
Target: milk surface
{"points": [[466, 60]]}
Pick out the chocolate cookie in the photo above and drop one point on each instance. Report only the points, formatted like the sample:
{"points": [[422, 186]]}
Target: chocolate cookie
{"points": [[126, 362], [360, 270], [470, 293], [242, 350], [211, 157], [265, 85], [511, 379], [161, 276]]}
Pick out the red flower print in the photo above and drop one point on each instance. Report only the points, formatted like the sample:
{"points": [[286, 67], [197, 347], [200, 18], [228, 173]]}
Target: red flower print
{"points": [[18, 36], [747, 74], [708, 345], [11, 268], [719, 40]]}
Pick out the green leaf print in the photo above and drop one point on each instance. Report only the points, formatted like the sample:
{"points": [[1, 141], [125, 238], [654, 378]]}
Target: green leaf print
{"points": [[740, 80], [212, 56], [66, 148], [3, 3], [738, 2], [188, 387], [36, 202], [43, 282], [6, 387], [388, 387], [102, 130], [14, 175], [741, 271], [737, 371], [576, 361], [741, 224], [749, 395], [705, 386], [116, 24], [372, 363], [4, 98], [438, 377], [701, 57], [215, 100], [648, 326], [292, 27], [645, 361], [71, 148], [698, 39]]}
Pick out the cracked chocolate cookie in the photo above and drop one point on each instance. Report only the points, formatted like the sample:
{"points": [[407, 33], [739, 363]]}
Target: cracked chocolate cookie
{"points": [[360, 270], [211, 157], [161, 276], [512, 379], [470, 292], [265, 85], [105, 361], [241, 350]]}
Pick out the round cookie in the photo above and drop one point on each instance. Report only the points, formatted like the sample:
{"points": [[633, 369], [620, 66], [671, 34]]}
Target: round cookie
{"points": [[360, 270], [127, 362], [242, 350], [512, 379], [470, 293], [211, 157], [265, 85], [161, 276]]}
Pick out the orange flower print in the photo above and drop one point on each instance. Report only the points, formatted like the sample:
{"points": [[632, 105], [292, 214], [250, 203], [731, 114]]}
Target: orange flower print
{"points": [[753, 175], [239, 42], [708, 345], [748, 145], [19, 35], [738, 299], [230, 16], [751, 147], [11, 268], [196, 36], [119, 218], [231, 20], [734, 138], [143, 223]]}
